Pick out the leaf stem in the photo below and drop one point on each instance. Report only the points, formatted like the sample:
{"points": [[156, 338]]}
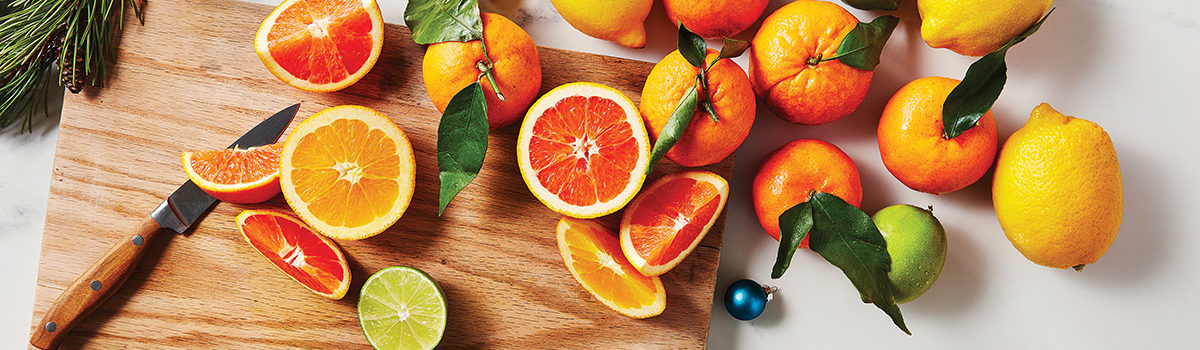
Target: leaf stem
{"points": [[486, 67]]}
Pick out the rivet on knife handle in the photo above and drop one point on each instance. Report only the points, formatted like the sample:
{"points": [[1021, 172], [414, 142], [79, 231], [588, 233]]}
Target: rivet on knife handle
{"points": [[96, 285]]}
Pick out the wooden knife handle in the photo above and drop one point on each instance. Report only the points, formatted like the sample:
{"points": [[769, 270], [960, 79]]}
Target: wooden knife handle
{"points": [[95, 286]]}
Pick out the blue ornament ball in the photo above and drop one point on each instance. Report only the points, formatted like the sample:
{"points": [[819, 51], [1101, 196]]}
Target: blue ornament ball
{"points": [[745, 299]]}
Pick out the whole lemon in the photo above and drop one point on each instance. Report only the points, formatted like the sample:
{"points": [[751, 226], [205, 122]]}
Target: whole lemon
{"points": [[916, 242], [1057, 190], [613, 20], [977, 27]]}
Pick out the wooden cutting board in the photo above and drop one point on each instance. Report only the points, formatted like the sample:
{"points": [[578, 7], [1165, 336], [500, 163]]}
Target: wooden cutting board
{"points": [[189, 80]]}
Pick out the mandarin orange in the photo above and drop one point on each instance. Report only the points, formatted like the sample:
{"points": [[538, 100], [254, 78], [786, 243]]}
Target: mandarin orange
{"points": [[912, 146], [715, 18], [786, 66], [450, 66], [799, 167], [705, 141]]}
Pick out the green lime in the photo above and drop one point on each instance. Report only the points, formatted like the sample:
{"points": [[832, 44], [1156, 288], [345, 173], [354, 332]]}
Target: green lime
{"points": [[916, 242], [402, 308]]}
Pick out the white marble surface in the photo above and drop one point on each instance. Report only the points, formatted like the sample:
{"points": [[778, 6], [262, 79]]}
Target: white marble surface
{"points": [[1129, 66]]}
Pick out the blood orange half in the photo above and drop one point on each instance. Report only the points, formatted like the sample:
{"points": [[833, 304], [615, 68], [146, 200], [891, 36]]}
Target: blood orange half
{"points": [[583, 150], [670, 218], [321, 45], [236, 175], [593, 256], [294, 248]]}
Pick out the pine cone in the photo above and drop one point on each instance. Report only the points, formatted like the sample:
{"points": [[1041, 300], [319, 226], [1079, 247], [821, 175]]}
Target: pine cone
{"points": [[72, 72]]}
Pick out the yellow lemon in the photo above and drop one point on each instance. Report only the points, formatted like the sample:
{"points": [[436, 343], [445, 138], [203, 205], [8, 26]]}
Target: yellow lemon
{"points": [[977, 27], [613, 20], [1057, 191]]}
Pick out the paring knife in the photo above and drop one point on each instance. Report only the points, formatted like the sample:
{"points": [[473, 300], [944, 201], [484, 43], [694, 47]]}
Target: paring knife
{"points": [[177, 213]]}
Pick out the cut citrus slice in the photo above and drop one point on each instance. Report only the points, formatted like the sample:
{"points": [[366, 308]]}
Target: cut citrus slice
{"points": [[594, 257], [583, 150], [402, 308], [309, 259], [670, 218], [321, 45], [348, 171], [236, 175]]}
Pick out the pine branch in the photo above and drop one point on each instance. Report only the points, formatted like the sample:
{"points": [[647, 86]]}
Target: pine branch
{"points": [[77, 35]]}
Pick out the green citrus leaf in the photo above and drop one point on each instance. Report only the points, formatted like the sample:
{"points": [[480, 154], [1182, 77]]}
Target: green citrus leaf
{"points": [[863, 45], [847, 238], [692, 46], [980, 88], [435, 21], [874, 4], [731, 48], [676, 125], [461, 142], [794, 225]]}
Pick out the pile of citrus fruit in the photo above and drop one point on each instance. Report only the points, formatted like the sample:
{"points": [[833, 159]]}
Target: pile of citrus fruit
{"points": [[583, 149]]}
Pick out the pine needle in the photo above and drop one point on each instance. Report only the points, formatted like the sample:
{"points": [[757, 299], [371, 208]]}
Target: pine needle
{"points": [[35, 35]]}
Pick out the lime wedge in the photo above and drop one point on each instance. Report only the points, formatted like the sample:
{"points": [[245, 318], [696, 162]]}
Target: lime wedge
{"points": [[402, 308]]}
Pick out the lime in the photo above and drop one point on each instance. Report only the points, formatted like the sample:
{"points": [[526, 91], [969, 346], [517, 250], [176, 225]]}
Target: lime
{"points": [[916, 243], [402, 308]]}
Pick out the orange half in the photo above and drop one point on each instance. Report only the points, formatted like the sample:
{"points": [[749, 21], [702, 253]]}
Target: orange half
{"points": [[321, 45], [348, 171], [235, 175], [669, 219], [583, 150], [309, 259], [594, 257]]}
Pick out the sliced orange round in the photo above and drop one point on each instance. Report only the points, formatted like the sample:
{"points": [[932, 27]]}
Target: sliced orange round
{"points": [[594, 257], [321, 45], [583, 150], [309, 259], [669, 218], [348, 171], [236, 175]]}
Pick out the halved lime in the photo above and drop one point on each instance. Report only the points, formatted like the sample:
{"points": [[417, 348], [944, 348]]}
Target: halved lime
{"points": [[402, 308]]}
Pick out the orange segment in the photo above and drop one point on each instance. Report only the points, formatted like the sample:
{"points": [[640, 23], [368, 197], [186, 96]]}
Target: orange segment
{"points": [[593, 255], [309, 259], [349, 172], [236, 175], [583, 150], [321, 45], [670, 218]]}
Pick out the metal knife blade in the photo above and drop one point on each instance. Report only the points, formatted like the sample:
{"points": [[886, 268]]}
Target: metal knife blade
{"points": [[188, 203]]}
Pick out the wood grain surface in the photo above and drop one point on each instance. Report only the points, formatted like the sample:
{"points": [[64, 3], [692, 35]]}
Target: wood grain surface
{"points": [[189, 80]]}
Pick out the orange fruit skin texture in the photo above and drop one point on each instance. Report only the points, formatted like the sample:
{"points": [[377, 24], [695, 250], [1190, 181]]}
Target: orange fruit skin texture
{"points": [[705, 141], [794, 90], [450, 66], [715, 18], [791, 172], [912, 146]]}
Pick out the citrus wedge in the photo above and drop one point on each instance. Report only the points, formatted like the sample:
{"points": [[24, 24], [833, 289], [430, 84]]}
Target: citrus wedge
{"points": [[669, 218], [583, 150], [321, 45], [348, 171], [402, 308], [236, 175], [309, 259], [594, 257]]}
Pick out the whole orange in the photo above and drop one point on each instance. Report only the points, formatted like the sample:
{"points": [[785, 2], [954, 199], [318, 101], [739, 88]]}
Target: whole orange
{"points": [[786, 68], [912, 146], [715, 18], [791, 172], [450, 66], [705, 141]]}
